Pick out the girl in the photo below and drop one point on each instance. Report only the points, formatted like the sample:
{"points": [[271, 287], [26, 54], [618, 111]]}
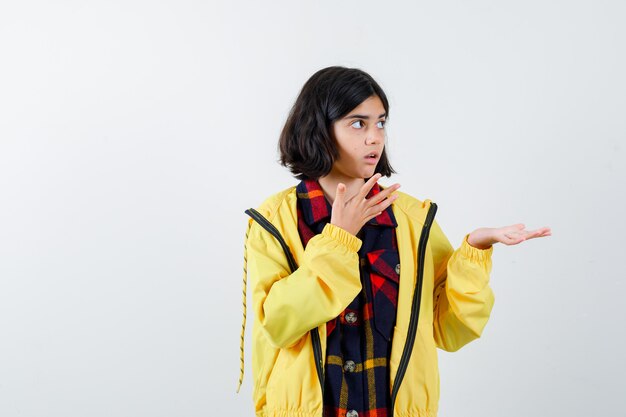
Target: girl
{"points": [[354, 285]]}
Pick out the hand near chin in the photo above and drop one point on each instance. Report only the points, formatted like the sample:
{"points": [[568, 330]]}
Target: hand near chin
{"points": [[484, 237], [351, 214]]}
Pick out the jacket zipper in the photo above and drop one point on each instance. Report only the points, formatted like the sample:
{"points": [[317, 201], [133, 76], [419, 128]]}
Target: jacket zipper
{"points": [[315, 335], [317, 353], [415, 307]]}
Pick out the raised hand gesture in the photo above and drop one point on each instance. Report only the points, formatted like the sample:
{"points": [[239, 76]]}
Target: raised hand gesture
{"points": [[353, 213]]}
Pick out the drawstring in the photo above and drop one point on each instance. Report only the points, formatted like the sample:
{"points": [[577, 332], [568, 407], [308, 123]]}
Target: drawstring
{"points": [[243, 324]]}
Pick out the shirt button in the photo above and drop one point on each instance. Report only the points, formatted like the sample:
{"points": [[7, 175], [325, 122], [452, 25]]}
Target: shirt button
{"points": [[349, 366], [350, 317], [398, 269], [352, 413]]}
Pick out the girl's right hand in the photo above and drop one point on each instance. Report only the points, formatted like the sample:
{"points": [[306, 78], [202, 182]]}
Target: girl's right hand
{"points": [[351, 215]]}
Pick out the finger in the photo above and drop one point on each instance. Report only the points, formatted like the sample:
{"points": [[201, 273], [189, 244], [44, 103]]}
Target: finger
{"points": [[531, 232], [365, 189], [376, 209], [371, 215], [340, 196], [382, 205], [542, 230], [383, 194], [537, 233], [531, 236]]}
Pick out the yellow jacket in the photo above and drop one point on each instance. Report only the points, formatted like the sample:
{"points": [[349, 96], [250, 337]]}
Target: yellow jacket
{"points": [[451, 306]]}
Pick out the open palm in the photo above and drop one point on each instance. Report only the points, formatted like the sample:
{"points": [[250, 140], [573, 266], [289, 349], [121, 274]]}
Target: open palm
{"points": [[516, 233]]}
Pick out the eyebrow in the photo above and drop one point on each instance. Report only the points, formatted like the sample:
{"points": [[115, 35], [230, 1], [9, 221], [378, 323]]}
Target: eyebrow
{"points": [[362, 116]]}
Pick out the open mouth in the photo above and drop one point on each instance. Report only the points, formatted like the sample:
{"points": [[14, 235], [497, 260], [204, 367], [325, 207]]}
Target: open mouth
{"points": [[371, 158]]}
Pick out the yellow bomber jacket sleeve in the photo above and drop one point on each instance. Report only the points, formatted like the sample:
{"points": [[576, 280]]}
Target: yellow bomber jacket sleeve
{"points": [[288, 305], [463, 298]]}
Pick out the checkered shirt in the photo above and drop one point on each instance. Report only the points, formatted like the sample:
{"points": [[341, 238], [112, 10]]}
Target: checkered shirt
{"points": [[359, 339]]}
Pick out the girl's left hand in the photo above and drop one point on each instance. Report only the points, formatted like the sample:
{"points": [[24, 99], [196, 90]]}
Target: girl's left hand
{"points": [[484, 237]]}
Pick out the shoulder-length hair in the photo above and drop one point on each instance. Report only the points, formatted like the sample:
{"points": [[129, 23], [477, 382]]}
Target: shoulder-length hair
{"points": [[306, 145]]}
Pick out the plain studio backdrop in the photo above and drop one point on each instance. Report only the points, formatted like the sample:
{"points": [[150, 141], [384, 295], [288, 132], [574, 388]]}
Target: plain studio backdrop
{"points": [[134, 134]]}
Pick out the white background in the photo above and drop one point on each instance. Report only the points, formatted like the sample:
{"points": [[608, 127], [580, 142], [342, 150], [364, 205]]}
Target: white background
{"points": [[133, 135]]}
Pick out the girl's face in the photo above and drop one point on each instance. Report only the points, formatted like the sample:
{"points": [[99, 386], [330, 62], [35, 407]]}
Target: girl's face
{"points": [[360, 137]]}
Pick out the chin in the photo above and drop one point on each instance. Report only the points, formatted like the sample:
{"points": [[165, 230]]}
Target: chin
{"points": [[370, 174]]}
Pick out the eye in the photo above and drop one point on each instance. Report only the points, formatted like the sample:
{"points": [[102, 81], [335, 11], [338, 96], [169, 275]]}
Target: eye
{"points": [[381, 123], [355, 122]]}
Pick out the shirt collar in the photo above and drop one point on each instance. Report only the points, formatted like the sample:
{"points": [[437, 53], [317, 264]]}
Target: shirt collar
{"points": [[316, 208]]}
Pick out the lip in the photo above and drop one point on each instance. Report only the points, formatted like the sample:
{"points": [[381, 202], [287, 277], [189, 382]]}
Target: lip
{"points": [[372, 161]]}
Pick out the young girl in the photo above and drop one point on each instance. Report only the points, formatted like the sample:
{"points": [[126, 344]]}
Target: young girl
{"points": [[354, 285]]}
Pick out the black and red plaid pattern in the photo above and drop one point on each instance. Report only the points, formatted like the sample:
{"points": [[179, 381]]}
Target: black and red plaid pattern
{"points": [[359, 339]]}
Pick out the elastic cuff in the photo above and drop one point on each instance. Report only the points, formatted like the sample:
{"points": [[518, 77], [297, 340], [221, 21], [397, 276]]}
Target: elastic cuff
{"points": [[475, 254], [346, 238]]}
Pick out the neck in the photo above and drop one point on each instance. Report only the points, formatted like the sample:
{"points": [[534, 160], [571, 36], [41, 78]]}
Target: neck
{"points": [[329, 186]]}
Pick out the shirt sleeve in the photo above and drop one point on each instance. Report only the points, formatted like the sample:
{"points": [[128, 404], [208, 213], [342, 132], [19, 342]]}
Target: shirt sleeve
{"points": [[462, 297], [288, 305]]}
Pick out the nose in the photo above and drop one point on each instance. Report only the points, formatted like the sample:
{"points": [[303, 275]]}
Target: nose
{"points": [[375, 137]]}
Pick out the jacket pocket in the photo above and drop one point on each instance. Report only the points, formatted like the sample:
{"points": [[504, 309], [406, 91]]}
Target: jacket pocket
{"points": [[384, 281]]}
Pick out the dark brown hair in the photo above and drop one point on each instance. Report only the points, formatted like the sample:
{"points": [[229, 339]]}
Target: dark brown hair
{"points": [[306, 145]]}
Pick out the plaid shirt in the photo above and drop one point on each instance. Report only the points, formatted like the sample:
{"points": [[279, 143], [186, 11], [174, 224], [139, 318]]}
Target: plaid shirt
{"points": [[359, 339]]}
